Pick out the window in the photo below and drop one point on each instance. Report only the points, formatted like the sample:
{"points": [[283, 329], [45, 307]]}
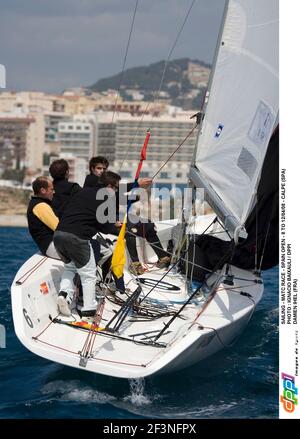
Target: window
{"points": [[125, 174], [164, 175]]}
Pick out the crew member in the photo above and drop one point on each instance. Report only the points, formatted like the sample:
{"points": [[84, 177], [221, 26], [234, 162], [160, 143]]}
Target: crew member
{"points": [[63, 189], [77, 226], [42, 221]]}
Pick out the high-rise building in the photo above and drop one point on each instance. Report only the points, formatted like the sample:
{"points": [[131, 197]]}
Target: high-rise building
{"points": [[52, 119], [14, 140], [77, 167], [77, 137], [166, 133]]}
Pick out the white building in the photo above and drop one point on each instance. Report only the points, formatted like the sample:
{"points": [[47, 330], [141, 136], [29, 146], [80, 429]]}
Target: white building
{"points": [[77, 137], [77, 166], [166, 133], [121, 140], [22, 140], [26, 100]]}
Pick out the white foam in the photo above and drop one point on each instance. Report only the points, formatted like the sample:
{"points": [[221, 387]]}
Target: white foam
{"points": [[137, 395], [75, 391]]}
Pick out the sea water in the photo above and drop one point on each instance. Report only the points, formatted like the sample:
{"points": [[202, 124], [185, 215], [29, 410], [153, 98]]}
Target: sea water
{"points": [[238, 382]]}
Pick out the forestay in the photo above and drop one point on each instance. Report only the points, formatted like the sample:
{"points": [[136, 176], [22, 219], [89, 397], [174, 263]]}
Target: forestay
{"points": [[241, 109]]}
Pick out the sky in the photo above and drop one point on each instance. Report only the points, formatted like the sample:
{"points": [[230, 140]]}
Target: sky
{"points": [[51, 45]]}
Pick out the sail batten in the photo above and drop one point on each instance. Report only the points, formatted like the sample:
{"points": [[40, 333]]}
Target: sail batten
{"points": [[242, 109]]}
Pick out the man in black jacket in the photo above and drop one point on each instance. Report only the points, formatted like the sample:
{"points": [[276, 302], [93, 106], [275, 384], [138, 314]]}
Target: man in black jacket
{"points": [[42, 221], [97, 166], [63, 189], [77, 226]]}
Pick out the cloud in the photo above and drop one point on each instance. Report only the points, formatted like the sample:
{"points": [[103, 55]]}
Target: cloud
{"points": [[47, 43]]}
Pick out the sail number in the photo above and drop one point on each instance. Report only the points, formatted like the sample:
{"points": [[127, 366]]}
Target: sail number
{"points": [[27, 318]]}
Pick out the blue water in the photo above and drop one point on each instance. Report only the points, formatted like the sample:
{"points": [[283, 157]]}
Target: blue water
{"points": [[238, 382]]}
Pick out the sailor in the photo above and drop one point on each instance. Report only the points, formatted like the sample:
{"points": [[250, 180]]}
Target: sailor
{"points": [[77, 226], [42, 221], [63, 189], [97, 166], [146, 229]]}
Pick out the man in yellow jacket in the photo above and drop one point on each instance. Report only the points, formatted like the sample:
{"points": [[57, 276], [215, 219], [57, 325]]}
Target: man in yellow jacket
{"points": [[42, 221]]}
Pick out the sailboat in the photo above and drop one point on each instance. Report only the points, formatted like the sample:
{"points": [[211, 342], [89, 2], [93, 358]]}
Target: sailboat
{"points": [[167, 321]]}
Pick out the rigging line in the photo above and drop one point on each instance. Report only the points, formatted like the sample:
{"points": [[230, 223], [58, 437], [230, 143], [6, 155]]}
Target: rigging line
{"points": [[256, 235], [223, 227], [158, 345], [47, 326], [174, 152], [170, 54], [206, 303], [87, 349], [194, 248], [193, 258], [225, 345], [267, 234], [264, 247], [179, 240], [220, 263], [161, 83], [189, 262], [167, 325], [216, 331], [31, 270], [124, 61], [179, 257], [157, 283], [214, 290]]}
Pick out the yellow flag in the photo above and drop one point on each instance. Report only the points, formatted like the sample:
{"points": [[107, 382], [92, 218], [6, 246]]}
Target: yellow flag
{"points": [[119, 258]]}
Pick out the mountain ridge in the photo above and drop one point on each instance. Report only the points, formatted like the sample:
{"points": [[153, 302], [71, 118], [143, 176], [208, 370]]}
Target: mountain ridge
{"points": [[184, 82]]}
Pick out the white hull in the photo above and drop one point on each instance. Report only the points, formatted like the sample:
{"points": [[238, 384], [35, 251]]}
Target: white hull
{"points": [[209, 323]]}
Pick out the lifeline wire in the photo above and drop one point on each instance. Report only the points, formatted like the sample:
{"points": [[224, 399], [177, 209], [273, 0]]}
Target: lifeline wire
{"points": [[124, 62], [161, 83]]}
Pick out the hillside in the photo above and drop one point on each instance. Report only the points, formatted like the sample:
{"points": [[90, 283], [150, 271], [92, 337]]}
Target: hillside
{"points": [[184, 82], [13, 201]]}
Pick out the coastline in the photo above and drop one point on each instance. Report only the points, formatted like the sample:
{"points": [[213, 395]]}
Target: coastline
{"points": [[13, 221]]}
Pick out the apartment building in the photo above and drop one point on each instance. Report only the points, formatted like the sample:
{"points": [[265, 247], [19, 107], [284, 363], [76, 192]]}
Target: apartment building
{"points": [[77, 137], [51, 137], [26, 101], [166, 132], [34, 124], [77, 167], [14, 135]]}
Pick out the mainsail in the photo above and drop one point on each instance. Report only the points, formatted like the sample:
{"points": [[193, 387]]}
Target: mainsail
{"points": [[241, 110]]}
